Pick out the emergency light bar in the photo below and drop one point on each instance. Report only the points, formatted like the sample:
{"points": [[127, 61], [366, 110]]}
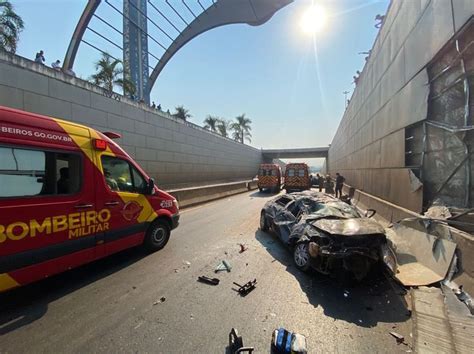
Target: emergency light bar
{"points": [[100, 144]]}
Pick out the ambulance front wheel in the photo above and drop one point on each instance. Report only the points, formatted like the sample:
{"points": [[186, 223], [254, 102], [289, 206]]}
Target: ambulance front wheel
{"points": [[157, 236]]}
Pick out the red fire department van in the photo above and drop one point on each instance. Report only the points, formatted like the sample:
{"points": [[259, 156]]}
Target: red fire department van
{"points": [[297, 177], [70, 195], [269, 177]]}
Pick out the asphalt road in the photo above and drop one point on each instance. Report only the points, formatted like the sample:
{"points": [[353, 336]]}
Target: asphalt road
{"points": [[113, 305]]}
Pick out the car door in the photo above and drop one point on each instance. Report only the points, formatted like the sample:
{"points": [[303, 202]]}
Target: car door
{"points": [[121, 193]]}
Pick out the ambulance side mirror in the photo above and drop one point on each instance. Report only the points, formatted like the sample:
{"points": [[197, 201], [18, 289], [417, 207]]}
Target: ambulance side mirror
{"points": [[150, 187]]}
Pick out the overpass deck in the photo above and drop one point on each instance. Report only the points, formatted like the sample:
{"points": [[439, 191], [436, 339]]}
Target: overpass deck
{"points": [[317, 152]]}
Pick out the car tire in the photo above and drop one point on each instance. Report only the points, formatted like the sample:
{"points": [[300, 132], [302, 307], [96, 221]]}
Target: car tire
{"points": [[263, 222], [157, 236], [301, 256]]}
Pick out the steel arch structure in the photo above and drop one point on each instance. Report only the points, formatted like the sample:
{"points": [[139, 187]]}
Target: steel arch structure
{"points": [[219, 13]]}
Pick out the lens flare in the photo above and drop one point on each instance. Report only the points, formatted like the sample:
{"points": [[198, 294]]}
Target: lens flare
{"points": [[314, 19]]}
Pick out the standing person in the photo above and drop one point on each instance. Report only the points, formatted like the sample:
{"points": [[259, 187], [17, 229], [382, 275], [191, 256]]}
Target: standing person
{"points": [[329, 185], [39, 58], [320, 182], [339, 183]]}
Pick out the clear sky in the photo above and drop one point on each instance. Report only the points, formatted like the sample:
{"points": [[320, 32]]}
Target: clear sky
{"points": [[288, 82]]}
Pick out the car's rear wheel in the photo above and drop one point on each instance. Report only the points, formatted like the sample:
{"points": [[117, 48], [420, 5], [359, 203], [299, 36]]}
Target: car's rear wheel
{"points": [[263, 222], [157, 236], [301, 256]]}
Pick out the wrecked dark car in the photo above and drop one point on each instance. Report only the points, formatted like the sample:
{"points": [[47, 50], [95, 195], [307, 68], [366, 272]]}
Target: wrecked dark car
{"points": [[325, 233]]}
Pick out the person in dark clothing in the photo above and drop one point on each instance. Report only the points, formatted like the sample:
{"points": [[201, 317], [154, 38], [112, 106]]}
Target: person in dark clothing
{"points": [[320, 180], [339, 183], [63, 181], [39, 58]]}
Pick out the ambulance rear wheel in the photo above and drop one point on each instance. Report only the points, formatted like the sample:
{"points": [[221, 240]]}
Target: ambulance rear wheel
{"points": [[157, 236], [260, 189]]}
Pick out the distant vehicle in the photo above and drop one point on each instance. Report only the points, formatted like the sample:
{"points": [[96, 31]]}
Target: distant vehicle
{"points": [[297, 177], [269, 177], [325, 233], [69, 195]]}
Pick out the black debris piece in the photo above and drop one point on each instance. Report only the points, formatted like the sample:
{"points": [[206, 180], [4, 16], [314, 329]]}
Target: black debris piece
{"points": [[245, 289], [207, 280]]}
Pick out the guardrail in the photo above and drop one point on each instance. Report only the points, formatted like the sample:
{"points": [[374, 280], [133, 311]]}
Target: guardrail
{"points": [[195, 195]]}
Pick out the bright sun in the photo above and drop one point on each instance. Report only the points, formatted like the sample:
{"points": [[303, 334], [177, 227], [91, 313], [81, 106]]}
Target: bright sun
{"points": [[313, 19]]}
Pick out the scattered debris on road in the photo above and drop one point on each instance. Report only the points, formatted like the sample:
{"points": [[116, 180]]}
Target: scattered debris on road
{"points": [[400, 339], [236, 343], [245, 289], [162, 299], [207, 280], [224, 265], [243, 248], [284, 342]]}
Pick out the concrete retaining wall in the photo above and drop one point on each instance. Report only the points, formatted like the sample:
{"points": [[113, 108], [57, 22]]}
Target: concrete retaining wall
{"points": [[175, 153], [392, 93]]}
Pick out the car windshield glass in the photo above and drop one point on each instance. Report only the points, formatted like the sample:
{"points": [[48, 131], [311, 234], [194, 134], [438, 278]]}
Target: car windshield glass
{"points": [[330, 209]]}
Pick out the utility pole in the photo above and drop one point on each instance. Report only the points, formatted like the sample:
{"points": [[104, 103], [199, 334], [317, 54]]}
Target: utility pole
{"points": [[345, 98]]}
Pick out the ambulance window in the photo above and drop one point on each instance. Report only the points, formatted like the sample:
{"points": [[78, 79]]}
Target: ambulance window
{"points": [[301, 172], [22, 172], [68, 173], [121, 176], [291, 172], [274, 172], [33, 172]]}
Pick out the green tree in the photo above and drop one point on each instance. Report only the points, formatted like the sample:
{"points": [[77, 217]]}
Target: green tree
{"points": [[11, 25], [110, 73], [182, 113], [241, 129], [223, 127], [211, 123]]}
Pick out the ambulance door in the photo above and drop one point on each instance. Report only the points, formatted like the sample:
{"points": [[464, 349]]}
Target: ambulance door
{"points": [[122, 193], [43, 201]]}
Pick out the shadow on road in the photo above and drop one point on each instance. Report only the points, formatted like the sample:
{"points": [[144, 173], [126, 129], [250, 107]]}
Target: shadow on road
{"points": [[24, 305], [264, 194], [374, 300]]}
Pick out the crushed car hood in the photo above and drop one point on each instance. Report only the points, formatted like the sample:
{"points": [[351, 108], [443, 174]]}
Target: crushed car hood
{"points": [[349, 227]]}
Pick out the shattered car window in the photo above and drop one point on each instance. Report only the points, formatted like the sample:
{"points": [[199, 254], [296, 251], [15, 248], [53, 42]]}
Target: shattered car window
{"points": [[336, 209]]}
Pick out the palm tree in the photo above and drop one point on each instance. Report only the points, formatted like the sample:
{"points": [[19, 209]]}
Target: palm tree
{"points": [[223, 127], [182, 113], [10, 27], [109, 72], [211, 123], [242, 129]]}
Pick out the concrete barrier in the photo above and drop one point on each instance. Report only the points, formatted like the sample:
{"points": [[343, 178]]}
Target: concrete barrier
{"points": [[191, 196], [389, 213]]}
